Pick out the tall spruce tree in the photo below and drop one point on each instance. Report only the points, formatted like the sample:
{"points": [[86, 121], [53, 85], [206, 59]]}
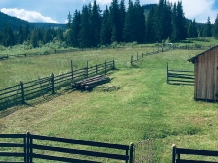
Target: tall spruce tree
{"points": [[175, 31], [85, 31], [122, 15], [115, 20], [181, 22], [105, 34], [216, 27], [75, 29], [95, 24], [150, 30]]}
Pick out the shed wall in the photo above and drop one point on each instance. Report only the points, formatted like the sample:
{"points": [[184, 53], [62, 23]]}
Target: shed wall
{"points": [[206, 78]]}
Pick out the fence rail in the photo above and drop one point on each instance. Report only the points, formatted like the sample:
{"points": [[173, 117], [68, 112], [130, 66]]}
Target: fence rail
{"points": [[32, 147], [177, 152], [180, 77], [21, 93]]}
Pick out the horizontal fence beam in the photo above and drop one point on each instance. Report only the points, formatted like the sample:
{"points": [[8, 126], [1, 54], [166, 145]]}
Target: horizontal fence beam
{"points": [[31, 150], [19, 94]]}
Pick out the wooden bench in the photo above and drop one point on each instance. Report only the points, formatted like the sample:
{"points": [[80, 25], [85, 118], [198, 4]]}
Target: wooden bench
{"points": [[177, 152], [91, 82]]}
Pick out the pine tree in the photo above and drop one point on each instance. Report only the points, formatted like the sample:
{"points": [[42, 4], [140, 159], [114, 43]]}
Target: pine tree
{"points": [[95, 24], [8, 35], [175, 31], [150, 30], [122, 15], [181, 22], [216, 27], [139, 21], [69, 22], [20, 35], [129, 22], [208, 28], [114, 18], [105, 34], [75, 29], [85, 31], [34, 40]]}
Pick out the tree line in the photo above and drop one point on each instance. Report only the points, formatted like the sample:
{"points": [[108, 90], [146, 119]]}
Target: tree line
{"points": [[92, 27]]}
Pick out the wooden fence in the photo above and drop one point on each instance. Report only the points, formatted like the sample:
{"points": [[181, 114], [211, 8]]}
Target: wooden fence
{"points": [[177, 152], [180, 77], [25, 91], [140, 57], [27, 148]]}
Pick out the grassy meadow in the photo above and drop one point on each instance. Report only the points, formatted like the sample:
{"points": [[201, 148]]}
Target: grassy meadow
{"points": [[141, 107]]}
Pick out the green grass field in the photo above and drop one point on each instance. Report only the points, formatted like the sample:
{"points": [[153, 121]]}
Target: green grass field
{"points": [[143, 106]]}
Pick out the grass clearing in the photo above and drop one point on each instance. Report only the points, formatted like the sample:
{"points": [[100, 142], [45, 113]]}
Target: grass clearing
{"points": [[143, 107]]}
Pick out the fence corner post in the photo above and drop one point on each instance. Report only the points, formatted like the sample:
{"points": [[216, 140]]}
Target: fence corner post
{"points": [[28, 147], [131, 159], [52, 84], [173, 153], [22, 93]]}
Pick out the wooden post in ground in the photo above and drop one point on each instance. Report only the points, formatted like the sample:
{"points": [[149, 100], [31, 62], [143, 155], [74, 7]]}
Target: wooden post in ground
{"points": [[22, 93], [52, 84], [131, 60], [167, 73], [71, 64], [173, 153], [131, 154], [87, 69], [105, 67], [27, 151]]}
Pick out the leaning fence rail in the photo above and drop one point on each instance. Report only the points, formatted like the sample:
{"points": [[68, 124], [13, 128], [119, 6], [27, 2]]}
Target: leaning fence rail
{"points": [[33, 147], [21, 93], [180, 77]]}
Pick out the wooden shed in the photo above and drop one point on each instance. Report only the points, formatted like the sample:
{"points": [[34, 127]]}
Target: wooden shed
{"points": [[206, 75]]}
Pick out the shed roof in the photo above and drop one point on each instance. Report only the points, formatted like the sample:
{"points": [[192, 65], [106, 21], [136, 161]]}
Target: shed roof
{"points": [[195, 58]]}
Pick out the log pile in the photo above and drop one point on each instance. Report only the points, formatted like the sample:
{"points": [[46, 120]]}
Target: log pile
{"points": [[91, 82]]}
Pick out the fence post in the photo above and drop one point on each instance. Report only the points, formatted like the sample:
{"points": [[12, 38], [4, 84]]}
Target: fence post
{"points": [[105, 67], [167, 73], [131, 159], [52, 83], [87, 69], [173, 153], [27, 147], [113, 65], [71, 63], [131, 60], [22, 93]]}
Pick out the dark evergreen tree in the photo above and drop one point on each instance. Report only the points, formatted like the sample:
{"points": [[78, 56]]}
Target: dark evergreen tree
{"points": [[181, 22], [216, 27], [207, 32], [139, 23], [20, 35], [8, 36], [26, 32], [175, 31], [85, 31], [34, 38], [150, 30], [69, 20], [105, 35], [129, 23], [122, 15], [192, 29], [115, 20], [95, 24]]}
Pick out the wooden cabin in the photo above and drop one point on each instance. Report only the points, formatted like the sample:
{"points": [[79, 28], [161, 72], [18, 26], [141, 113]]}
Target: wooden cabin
{"points": [[206, 75]]}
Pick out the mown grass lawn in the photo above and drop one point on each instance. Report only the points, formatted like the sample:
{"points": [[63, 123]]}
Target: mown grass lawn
{"points": [[142, 106]]}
